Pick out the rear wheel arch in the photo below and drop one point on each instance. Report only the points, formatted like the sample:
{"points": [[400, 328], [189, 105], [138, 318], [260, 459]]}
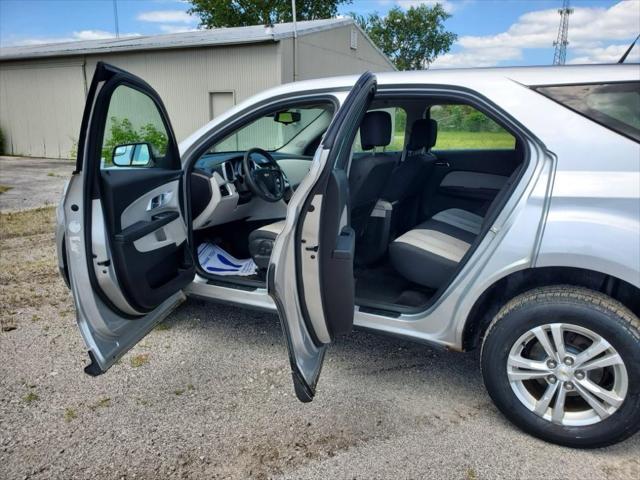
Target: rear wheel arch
{"points": [[503, 290]]}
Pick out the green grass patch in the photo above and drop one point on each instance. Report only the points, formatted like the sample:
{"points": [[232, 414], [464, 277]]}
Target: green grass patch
{"points": [[70, 414], [4, 188], [102, 403], [31, 397], [139, 360], [474, 140]]}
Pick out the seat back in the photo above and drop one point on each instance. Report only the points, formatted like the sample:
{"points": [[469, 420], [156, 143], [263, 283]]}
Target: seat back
{"points": [[407, 178], [369, 173]]}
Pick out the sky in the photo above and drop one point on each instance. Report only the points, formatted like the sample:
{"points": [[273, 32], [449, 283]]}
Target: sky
{"points": [[490, 32]]}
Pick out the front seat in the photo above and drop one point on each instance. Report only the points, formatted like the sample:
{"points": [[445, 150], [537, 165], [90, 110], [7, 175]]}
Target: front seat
{"points": [[369, 174], [261, 242], [407, 178]]}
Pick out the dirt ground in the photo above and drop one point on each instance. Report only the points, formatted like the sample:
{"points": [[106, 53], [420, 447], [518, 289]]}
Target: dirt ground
{"points": [[208, 394]]}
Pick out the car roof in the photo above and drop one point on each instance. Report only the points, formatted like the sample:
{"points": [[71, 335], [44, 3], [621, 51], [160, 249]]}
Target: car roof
{"points": [[467, 77]]}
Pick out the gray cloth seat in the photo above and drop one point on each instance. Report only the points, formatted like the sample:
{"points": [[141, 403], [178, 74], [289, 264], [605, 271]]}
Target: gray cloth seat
{"points": [[430, 252], [261, 242], [369, 173], [407, 178]]}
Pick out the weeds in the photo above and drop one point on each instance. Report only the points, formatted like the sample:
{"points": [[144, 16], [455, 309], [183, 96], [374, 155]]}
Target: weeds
{"points": [[139, 360], [70, 414]]}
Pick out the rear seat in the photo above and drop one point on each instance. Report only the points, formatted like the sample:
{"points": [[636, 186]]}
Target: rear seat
{"points": [[429, 253]]}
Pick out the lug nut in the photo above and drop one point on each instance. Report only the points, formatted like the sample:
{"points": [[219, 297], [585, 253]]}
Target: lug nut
{"points": [[580, 375], [552, 364], [568, 385], [568, 361], [552, 379]]}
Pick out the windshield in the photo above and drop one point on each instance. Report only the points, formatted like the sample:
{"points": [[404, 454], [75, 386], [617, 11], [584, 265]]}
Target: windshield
{"points": [[289, 130]]}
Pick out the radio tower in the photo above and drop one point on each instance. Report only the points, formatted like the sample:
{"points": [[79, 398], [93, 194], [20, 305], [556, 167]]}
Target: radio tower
{"points": [[560, 53]]}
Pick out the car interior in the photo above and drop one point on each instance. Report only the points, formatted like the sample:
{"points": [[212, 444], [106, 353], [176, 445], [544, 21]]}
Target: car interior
{"points": [[427, 177]]}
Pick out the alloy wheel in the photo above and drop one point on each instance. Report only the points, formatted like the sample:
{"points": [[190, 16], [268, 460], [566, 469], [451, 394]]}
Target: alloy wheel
{"points": [[567, 374]]}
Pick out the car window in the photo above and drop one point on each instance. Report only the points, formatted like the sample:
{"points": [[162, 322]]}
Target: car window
{"points": [[462, 127], [398, 128], [613, 105], [287, 130], [134, 134]]}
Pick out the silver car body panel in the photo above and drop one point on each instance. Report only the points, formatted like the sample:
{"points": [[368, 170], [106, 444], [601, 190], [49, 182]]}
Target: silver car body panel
{"points": [[577, 204]]}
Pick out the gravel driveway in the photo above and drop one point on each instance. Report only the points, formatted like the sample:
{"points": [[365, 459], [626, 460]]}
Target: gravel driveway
{"points": [[32, 182], [208, 394]]}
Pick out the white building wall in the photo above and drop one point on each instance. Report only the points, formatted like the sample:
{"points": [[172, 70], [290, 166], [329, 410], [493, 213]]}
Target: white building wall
{"points": [[41, 104]]}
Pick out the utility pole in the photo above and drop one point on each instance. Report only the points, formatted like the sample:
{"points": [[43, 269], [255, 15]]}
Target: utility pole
{"points": [[295, 41], [560, 53], [115, 17]]}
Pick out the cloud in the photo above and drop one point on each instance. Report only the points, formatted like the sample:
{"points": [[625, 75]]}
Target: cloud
{"points": [[167, 16], [486, 57], [448, 5], [176, 28], [74, 37], [591, 30], [609, 54]]}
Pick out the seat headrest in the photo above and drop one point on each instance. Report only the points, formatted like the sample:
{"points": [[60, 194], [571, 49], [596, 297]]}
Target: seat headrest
{"points": [[423, 134], [375, 130]]}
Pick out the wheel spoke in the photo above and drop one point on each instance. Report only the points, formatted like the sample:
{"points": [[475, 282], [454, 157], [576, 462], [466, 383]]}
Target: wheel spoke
{"points": [[593, 351], [558, 408], [592, 401], [558, 340], [606, 396], [543, 338], [521, 368], [543, 404], [518, 361], [605, 361]]}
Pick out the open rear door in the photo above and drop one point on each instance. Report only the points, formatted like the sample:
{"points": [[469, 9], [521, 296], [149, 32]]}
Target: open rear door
{"points": [[311, 273], [125, 232]]}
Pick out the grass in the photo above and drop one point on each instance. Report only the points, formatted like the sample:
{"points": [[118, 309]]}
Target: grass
{"points": [[31, 397], [102, 403], [461, 141], [139, 360], [474, 140], [70, 414], [4, 188], [27, 222]]}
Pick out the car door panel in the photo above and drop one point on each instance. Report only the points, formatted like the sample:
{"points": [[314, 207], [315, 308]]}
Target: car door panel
{"points": [[310, 276], [466, 179], [125, 233]]}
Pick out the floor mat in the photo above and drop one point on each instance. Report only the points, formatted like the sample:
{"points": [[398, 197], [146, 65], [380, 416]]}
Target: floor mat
{"points": [[214, 259], [382, 284]]}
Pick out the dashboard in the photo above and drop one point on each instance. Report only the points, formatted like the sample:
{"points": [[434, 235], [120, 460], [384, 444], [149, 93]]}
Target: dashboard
{"points": [[220, 195]]}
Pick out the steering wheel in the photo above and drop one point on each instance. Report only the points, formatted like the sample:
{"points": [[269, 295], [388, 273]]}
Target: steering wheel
{"points": [[267, 181]]}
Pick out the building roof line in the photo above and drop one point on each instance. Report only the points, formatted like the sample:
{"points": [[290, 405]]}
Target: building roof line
{"points": [[196, 38]]}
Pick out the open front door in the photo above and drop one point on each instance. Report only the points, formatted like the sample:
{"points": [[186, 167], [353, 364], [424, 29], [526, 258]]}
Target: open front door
{"points": [[125, 233], [311, 272]]}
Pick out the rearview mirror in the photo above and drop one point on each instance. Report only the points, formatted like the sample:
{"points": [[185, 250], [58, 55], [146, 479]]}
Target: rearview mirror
{"points": [[287, 117], [132, 155]]}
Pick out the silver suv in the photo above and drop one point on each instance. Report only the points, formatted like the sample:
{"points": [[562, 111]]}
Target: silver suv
{"points": [[492, 208]]}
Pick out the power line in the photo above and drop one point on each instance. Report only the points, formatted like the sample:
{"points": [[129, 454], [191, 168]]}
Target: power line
{"points": [[560, 53]]}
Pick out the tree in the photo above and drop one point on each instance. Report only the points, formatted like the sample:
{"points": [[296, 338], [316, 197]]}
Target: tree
{"points": [[240, 13], [412, 39]]}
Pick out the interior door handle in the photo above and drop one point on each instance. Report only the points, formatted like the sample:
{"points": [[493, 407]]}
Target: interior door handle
{"points": [[142, 228], [160, 200], [442, 164]]}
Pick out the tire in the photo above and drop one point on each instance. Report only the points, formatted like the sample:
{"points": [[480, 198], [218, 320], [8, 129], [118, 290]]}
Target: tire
{"points": [[582, 316]]}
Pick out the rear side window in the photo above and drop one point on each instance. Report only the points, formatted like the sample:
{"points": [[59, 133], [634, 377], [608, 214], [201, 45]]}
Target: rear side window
{"points": [[613, 105], [462, 127]]}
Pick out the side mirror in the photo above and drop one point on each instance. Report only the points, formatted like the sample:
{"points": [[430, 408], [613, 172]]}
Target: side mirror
{"points": [[287, 117], [132, 155]]}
